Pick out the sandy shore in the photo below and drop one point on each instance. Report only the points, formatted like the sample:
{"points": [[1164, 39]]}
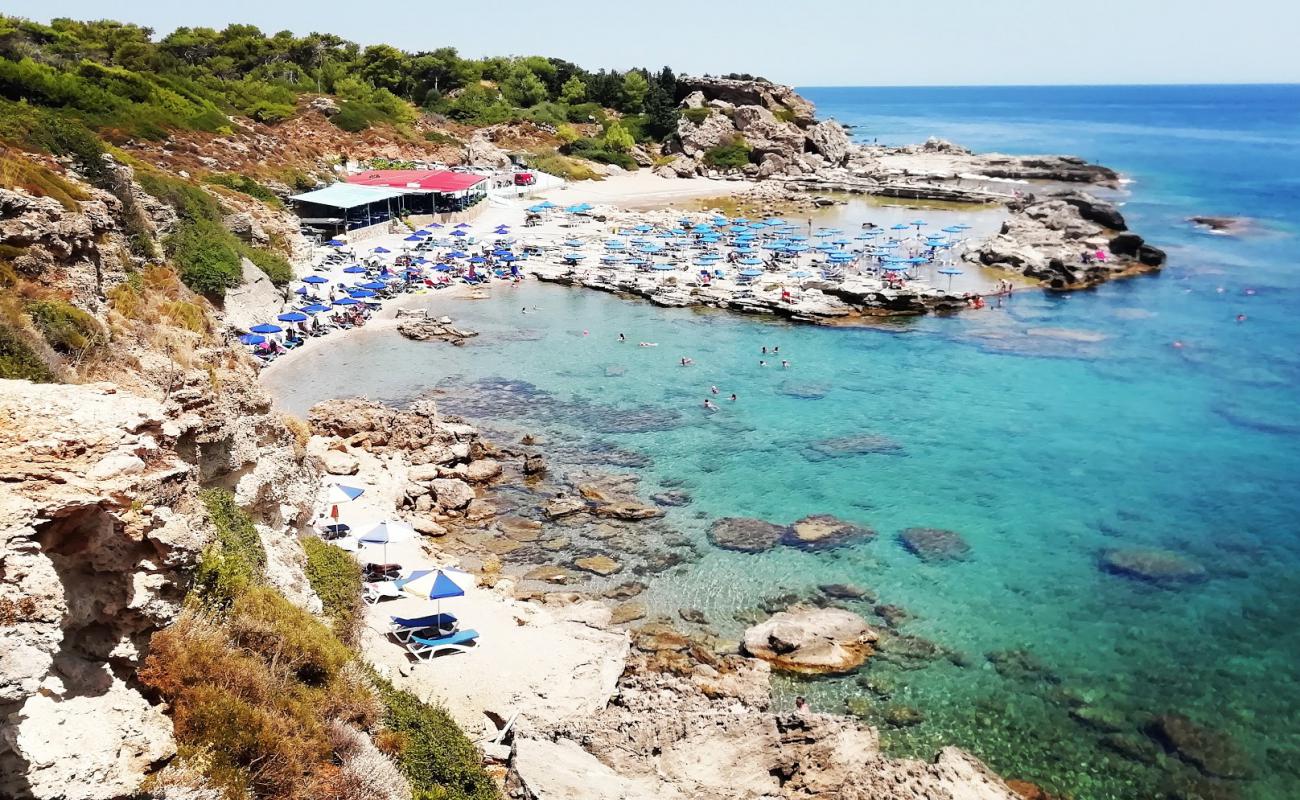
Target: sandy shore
{"points": [[640, 189]]}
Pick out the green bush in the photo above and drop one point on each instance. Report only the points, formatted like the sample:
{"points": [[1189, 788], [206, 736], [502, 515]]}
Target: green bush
{"points": [[597, 150], [246, 185], [434, 754], [697, 115], [264, 622], [336, 579], [272, 263], [235, 561], [561, 166], [438, 137], [18, 361], [66, 328], [207, 257], [732, 155], [586, 112]]}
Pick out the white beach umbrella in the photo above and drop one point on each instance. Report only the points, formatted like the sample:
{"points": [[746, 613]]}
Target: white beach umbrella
{"points": [[394, 531]]}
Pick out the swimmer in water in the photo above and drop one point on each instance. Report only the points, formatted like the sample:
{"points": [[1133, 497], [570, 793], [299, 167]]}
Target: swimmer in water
{"points": [[733, 397], [686, 362], [622, 338], [647, 344], [584, 333], [785, 364], [762, 363], [1241, 317], [713, 389], [709, 406], [764, 349]]}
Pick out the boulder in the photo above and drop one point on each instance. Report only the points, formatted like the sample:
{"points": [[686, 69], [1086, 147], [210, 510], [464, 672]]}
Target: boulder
{"points": [[935, 544], [713, 131], [693, 100], [452, 494], [829, 139], [754, 92], [563, 506], [846, 591], [745, 534], [811, 641], [624, 613], [324, 105], [550, 574], [823, 532], [534, 464], [1094, 210], [764, 133], [480, 151], [483, 470], [338, 462], [672, 498], [627, 510], [1152, 565], [561, 770]]}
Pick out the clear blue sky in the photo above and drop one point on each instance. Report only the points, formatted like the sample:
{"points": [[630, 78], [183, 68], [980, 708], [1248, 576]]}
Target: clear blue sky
{"points": [[837, 42]]}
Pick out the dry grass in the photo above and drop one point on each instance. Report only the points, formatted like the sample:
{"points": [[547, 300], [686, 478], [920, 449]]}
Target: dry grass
{"points": [[18, 172]]}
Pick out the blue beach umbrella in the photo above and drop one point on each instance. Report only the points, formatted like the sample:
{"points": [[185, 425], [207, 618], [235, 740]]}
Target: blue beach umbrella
{"points": [[900, 227], [300, 290], [413, 238], [433, 225], [375, 285], [462, 224], [266, 327], [509, 257], [315, 308], [574, 256], [950, 272], [336, 243], [315, 279], [478, 260], [361, 293], [751, 261], [456, 254], [919, 223], [953, 229], [381, 249], [252, 338], [355, 270], [292, 316], [663, 267], [459, 233], [443, 268], [751, 273], [346, 301], [573, 243]]}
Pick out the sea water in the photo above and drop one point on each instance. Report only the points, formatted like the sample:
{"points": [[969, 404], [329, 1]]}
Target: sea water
{"points": [[1045, 431]]}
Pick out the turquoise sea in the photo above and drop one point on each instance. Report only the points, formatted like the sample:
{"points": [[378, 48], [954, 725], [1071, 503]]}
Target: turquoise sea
{"points": [[1045, 432]]}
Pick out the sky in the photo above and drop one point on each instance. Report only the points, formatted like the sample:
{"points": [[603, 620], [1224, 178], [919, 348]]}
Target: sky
{"points": [[831, 43]]}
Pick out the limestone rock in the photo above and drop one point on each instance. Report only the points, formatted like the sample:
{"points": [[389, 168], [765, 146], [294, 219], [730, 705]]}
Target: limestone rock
{"points": [[562, 770], [599, 564], [745, 534], [812, 640], [824, 532], [254, 300], [755, 92], [1152, 565], [713, 131], [558, 507], [324, 105], [451, 493], [338, 462], [934, 544], [483, 470], [829, 139]]}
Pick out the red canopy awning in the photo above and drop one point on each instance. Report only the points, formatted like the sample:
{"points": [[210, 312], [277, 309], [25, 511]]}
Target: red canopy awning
{"points": [[423, 179]]}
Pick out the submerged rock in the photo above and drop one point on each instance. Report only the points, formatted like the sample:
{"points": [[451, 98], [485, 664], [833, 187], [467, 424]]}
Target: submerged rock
{"points": [[599, 564], [900, 716], [935, 544], [627, 612], [550, 574], [803, 391], [673, 498], [823, 532], [812, 641], [745, 534], [850, 446], [1152, 565], [846, 591], [1210, 751]]}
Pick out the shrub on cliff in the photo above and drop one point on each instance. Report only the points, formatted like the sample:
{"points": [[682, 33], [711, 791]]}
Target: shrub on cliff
{"points": [[599, 151], [272, 263], [68, 330], [235, 561], [697, 115], [206, 256], [336, 579], [246, 185], [731, 155], [19, 360], [434, 754]]}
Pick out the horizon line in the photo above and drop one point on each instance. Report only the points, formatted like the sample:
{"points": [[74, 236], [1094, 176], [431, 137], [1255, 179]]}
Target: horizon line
{"points": [[1171, 84]]}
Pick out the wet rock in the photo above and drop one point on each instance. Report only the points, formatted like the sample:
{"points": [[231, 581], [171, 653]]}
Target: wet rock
{"points": [[900, 716], [907, 652], [846, 591], [881, 686], [673, 498], [935, 544], [624, 613], [812, 640], [599, 564], [1100, 718], [851, 446], [693, 615], [1133, 747], [1029, 791], [745, 534], [1152, 565], [859, 706], [657, 636], [483, 470], [550, 574], [627, 510], [1230, 226], [563, 506], [534, 464], [520, 529], [557, 543], [1020, 665], [824, 532], [892, 615], [625, 590], [1210, 751]]}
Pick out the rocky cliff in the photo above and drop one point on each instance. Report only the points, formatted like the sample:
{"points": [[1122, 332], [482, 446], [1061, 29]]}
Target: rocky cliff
{"points": [[100, 524]]}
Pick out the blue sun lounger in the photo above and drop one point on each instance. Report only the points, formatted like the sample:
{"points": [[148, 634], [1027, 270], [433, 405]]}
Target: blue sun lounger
{"points": [[404, 628], [425, 649]]}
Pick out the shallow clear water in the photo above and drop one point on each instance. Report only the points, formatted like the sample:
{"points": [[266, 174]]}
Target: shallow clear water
{"points": [[1044, 432]]}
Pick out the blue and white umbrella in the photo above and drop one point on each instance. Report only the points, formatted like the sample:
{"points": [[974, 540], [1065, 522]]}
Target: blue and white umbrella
{"points": [[336, 243], [751, 273], [393, 531]]}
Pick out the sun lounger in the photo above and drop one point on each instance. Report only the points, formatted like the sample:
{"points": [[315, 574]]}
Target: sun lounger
{"points": [[426, 649], [404, 628], [374, 591]]}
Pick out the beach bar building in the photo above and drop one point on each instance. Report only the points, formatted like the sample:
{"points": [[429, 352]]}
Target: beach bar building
{"points": [[428, 191], [342, 207]]}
